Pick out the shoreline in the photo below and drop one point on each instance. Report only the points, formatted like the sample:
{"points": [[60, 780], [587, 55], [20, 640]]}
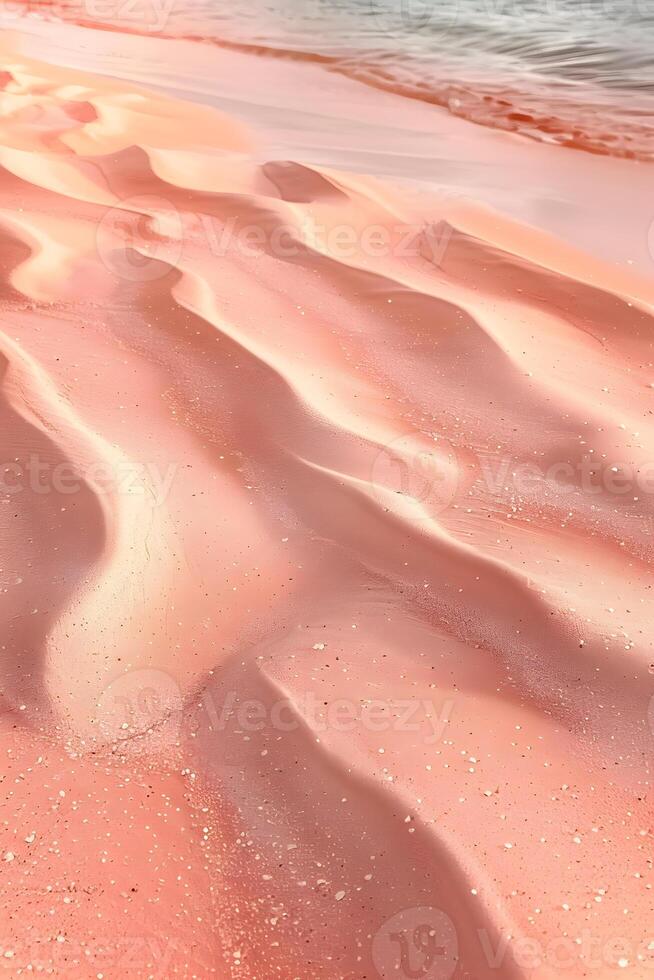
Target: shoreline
{"points": [[530, 110], [326, 119]]}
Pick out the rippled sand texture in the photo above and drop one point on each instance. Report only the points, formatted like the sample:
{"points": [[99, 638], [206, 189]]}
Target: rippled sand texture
{"points": [[326, 623]]}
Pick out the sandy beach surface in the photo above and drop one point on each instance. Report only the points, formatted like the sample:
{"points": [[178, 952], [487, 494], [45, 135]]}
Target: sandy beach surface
{"points": [[327, 506]]}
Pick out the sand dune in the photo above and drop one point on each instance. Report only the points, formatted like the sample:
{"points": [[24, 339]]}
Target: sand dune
{"points": [[326, 519]]}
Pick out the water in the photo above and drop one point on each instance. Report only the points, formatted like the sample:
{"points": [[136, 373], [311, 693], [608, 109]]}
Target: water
{"points": [[575, 72]]}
